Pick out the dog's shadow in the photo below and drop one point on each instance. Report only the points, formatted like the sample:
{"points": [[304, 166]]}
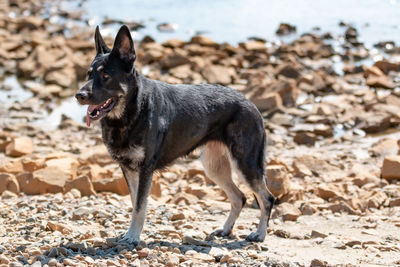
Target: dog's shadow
{"points": [[112, 249]]}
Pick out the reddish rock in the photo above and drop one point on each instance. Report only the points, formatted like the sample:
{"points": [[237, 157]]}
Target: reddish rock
{"points": [[285, 29], [305, 138], [387, 66], [391, 168], [377, 200], [203, 41], [8, 182], [268, 102], [115, 185], [278, 180], [156, 187], [380, 82], [33, 163], [218, 74], [11, 166], [342, 207], [254, 46], [288, 212], [68, 165], [83, 184], [46, 180], [327, 191], [19, 146], [385, 147]]}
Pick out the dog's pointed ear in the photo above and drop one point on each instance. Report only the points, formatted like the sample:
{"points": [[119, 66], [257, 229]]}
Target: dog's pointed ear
{"points": [[123, 45], [101, 47]]}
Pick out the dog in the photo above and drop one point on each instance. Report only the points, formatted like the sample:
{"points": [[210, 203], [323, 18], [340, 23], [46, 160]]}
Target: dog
{"points": [[147, 124]]}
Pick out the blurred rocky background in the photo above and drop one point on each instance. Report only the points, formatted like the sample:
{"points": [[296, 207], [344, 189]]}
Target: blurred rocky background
{"points": [[331, 103]]}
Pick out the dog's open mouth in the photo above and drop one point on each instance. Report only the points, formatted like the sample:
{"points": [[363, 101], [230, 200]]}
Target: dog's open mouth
{"points": [[95, 112]]}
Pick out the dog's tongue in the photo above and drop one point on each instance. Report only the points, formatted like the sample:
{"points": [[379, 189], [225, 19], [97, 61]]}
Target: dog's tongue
{"points": [[90, 110]]}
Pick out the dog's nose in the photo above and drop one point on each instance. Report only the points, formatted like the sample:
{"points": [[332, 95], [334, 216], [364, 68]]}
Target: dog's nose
{"points": [[82, 96]]}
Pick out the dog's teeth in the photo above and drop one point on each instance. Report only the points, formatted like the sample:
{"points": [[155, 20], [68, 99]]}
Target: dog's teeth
{"points": [[97, 113]]}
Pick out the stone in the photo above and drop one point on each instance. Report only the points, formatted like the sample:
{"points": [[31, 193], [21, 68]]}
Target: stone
{"points": [[61, 227], [156, 187], [385, 147], [67, 165], [115, 185], [391, 168], [13, 166], [83, 184], [254, 46], [95, 172], [316, 234], [395, 202], [305, 138], [174, 43], [377, 200], [178, 216], [46, 180], [278, 180], [386, 66], [342, 207], [373, 71], [287, 91], [268, 101], [380, 82], [19, 146], [174, 59], [328, 191], [8, 182], [287, 70], [198, 191], [285, 29], [203, 41], [33, 163], [288, 212], [218, 74]]}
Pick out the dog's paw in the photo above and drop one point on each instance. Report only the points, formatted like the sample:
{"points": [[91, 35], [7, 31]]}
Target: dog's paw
{"points": [[129, 240], [255, 237], [221, 233]]}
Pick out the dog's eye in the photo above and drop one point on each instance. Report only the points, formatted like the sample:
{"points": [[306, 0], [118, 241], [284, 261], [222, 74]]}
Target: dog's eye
{"points": [[106, 76]]}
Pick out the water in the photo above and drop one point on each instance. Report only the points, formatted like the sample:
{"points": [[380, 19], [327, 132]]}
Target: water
{"points": [[236, 20]]}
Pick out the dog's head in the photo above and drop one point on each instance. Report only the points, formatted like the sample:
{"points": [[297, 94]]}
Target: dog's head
{"points": [[108, 77]]}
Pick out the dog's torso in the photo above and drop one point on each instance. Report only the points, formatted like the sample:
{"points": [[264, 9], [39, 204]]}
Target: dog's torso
{"points": [[162, 122]]}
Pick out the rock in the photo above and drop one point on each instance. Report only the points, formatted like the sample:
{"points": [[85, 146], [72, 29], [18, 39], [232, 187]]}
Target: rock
{"points": [[278, 180], [203, 41], [167, 27], [318, 263], [254, 46], [391, 168], [327, 191], [380, 82], [115, 185], [174, 43], [11, 166], [64, 77], [174, 59], [287, 70], [33, 163], [377, 200], [373, 71], [305, 138], [286, 89], [8, 182], [4, 259], [185, 198], [83, 184], [68, 165], [29, 22], [316, 234], [318, 167], [374, 123], [387, 66], [46, 180], [394, 202], [288, 212], [94, 172], [217, 74], [156, 187], [285, 29], [385, 147], [61, 227], [342, 207], [268, 102], [178, 216], [19, 146]]}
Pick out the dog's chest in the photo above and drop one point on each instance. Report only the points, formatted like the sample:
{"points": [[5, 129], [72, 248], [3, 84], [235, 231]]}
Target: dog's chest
{"points": [[121, 149]]}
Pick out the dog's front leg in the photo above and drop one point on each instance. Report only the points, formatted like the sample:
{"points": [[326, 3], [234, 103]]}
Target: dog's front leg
{"points": [[139, 183]]}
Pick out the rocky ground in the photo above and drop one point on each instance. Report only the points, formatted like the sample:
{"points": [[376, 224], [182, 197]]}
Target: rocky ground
{"points": [[331, 109]]}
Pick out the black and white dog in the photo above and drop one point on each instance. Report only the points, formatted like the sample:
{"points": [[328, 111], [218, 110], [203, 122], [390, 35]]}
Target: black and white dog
{"points": [[147, 124]]}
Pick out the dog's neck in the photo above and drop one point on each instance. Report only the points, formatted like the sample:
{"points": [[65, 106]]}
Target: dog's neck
{"points": [[130, 104]]}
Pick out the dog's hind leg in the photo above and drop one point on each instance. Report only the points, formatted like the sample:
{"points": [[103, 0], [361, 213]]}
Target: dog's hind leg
{"points": [[216, 161], [247, 141]]}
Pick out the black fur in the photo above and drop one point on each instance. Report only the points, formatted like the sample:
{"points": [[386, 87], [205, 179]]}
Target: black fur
{"points": [[169, 121]]}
